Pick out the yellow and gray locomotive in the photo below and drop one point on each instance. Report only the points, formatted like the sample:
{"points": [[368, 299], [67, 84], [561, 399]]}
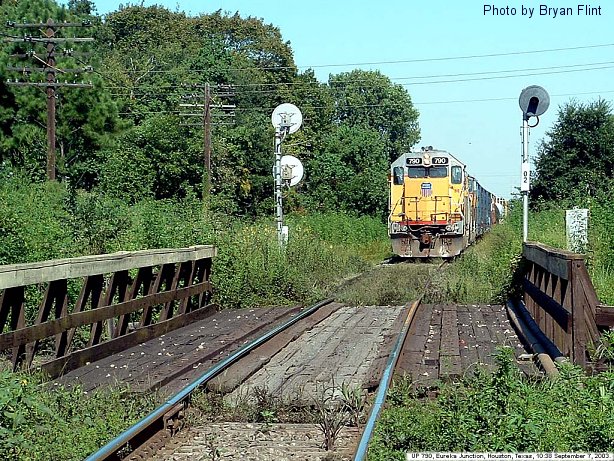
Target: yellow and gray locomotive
{"points": [[435, 208]]}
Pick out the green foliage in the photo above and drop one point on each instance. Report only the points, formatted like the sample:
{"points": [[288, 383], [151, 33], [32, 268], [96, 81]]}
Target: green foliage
{"points": [[97, 221], [33, 221], [251, 269], [579, 154], [369, 99], [156, 159], [84, 117], [351, 172], [503, 412], [39, 423], [149, 59]]}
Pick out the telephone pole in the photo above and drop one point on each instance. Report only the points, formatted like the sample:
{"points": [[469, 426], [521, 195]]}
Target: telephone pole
{"points": [[49, 67], [207, 135], [210, 102]]}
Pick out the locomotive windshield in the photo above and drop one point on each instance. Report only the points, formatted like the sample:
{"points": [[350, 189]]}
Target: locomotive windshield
{"points": [[427, 172], [457, 175]]}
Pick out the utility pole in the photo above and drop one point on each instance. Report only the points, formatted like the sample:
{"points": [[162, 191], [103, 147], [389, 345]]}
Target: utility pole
{"points": [[207, 135], [50, 69], [210, 102]]}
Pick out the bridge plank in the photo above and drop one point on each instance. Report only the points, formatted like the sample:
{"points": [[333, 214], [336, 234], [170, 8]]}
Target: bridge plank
{"points": [[183, 352], [90, 354], [449, 353], [248, 365], [14, 275]]}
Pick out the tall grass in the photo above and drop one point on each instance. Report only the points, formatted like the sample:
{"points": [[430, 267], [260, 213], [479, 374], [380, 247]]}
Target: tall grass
{"points": [[485, 272], [38, 424], [501, 412]]}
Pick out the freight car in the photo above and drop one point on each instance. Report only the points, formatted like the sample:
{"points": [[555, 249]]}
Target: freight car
{"points": [[435, 208]]}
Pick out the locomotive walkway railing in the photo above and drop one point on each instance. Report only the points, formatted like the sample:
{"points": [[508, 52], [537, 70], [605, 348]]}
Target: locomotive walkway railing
{"points": [[559, 295], [99, 305]]}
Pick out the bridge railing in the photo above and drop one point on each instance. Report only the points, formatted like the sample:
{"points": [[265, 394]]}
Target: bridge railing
{"points": [[561, 298], [79, 310]]}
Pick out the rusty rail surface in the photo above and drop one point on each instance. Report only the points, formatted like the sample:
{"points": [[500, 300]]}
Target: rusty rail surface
{"points": [[559, 295], [136, 295]]}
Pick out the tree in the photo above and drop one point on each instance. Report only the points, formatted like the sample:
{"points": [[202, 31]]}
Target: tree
{"points": [[157, 158], [370, 99], [351, 172], [85, 117], [579, 154]]}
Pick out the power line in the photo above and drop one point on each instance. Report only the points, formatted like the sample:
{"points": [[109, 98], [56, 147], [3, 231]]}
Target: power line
{"points": [[366, 106], [450, 58], [482, 76], [408, 61], [462, 74]]}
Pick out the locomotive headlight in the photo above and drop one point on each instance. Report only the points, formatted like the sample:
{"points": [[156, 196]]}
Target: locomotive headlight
{"points": [[404, 228], [448, 227]]}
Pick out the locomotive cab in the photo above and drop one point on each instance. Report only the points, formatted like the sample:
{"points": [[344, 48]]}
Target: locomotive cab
{"points": [[428, 202]]}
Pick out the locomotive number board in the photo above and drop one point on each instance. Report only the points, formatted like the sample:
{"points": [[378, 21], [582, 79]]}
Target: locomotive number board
{"points": [[434, 161]]}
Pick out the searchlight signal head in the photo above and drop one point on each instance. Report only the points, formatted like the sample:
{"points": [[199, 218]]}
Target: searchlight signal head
{"points": [[533, 102]]}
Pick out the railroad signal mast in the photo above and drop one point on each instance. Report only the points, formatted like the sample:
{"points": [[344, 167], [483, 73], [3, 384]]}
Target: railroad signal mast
{"points": [[533, 101], [49, 67], [286, 119]]}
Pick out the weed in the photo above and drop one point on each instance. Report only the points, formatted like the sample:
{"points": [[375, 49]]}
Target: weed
{"points": [[214, 452], [39, 423], [331, 415], [268, 417], [605, 349], [354, 400]]}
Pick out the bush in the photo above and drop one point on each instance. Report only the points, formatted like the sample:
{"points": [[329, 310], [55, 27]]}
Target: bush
{"points": [[38, 423], [34, 221], [503, 412]]}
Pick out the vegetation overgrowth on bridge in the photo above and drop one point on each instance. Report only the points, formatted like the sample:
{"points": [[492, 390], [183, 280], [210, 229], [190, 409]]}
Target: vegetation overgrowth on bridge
{"points": [[131, 178], [500, 412]]}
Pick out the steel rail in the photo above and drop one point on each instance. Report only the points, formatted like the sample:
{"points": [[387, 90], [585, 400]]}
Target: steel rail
{"points": [[158, 414], [380, 397]]}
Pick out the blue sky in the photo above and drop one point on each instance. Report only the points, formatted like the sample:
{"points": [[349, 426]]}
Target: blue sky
{"points": [[405, 39]]}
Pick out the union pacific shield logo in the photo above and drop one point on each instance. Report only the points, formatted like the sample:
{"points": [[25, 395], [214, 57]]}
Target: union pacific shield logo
{"points": [[426, 189]]}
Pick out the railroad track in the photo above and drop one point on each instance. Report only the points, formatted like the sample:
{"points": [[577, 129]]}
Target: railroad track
{"points": [[324, 355]]}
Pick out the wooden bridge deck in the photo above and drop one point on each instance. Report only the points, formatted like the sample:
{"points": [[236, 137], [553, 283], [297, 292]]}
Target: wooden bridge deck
{"points": [[181, 355], [444, 342], [448, 341]]}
